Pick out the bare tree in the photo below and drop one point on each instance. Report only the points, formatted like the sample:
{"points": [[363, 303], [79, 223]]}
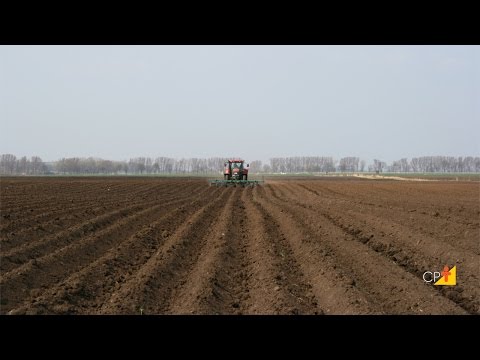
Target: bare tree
{"points": [[378, 166], [7, 163], [362, 165], [255, 166]]}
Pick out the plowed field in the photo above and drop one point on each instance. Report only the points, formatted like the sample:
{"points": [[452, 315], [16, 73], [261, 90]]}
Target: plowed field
{"points": [[179, 246]]}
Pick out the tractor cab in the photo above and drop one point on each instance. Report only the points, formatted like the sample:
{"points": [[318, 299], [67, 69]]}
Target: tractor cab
{"points": [[237, 170]]}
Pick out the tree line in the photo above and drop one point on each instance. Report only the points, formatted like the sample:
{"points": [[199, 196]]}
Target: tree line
{"points": [[139, 166], [437, 164], [11, 165]]}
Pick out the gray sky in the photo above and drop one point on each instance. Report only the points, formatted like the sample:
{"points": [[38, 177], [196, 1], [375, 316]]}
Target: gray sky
{"points": [[256, 102]]}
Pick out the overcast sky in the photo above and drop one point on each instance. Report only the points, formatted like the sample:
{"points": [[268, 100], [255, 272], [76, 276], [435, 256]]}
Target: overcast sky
{"points": [[255, 102]]}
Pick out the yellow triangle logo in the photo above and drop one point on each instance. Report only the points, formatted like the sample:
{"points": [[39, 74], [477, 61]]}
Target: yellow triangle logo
{"points": [[449, 277]]}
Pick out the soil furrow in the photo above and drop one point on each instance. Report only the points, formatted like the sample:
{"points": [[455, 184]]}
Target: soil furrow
{"points": [[199, 294], [463, 232], [90, 287], [367, 268], [56, 266], [26, 250], [150, 287], [294, 245], [284, 273], [334, 289], [20, 230], [416, 253]]}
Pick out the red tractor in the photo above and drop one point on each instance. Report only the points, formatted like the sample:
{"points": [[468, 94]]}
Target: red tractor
{"points": [[235, 169], [235, 173]]}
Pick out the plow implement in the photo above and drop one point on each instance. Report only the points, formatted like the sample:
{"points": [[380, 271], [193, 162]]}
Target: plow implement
{"points": [[234, 183]]}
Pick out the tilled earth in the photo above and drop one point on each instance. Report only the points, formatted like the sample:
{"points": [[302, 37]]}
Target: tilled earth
{"points": [[292, 246]]}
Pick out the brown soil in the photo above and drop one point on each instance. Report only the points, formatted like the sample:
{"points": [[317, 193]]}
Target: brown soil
{"points": [[292, 246]]}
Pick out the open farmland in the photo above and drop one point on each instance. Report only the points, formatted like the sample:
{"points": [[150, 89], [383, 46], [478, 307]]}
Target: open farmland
{"points": [[293, 246]]}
